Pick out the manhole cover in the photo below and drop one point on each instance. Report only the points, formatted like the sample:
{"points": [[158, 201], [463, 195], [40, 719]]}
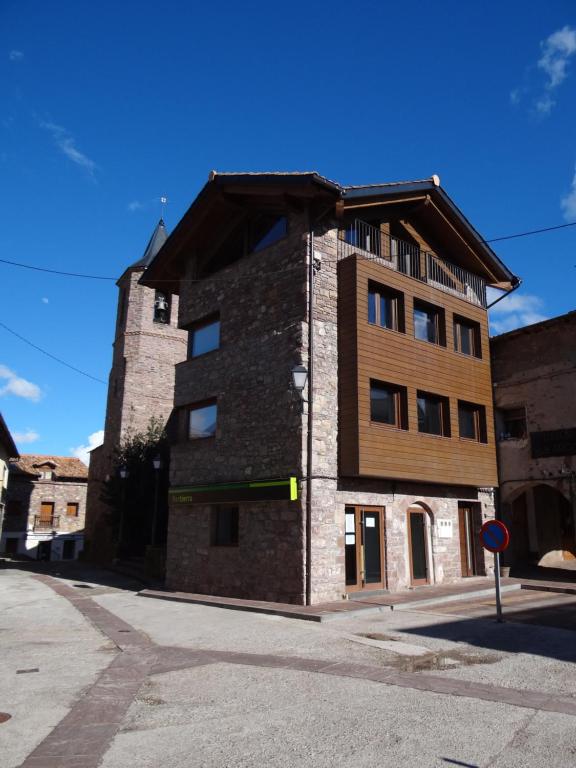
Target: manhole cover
{"points": [[4, 716]]}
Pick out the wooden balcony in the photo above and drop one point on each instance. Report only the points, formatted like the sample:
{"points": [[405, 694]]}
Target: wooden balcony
{"points": [[369, 242], [46, 523]]}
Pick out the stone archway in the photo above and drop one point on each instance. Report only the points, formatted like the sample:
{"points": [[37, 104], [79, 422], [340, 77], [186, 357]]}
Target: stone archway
{"points": [[541, 524]]}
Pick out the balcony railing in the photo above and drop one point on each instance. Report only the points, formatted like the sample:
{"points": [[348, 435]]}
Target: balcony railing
{"points": [[46, 523], [368, 241]]}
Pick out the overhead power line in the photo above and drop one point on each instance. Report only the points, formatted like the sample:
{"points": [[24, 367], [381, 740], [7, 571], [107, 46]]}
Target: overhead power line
{"points": [[527, 233], [55, 271], [53, 357], [530, 232]]}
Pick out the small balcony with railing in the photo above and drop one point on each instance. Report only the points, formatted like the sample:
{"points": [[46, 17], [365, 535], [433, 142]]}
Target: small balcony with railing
{"points": [[371, 243], [46, 523]]}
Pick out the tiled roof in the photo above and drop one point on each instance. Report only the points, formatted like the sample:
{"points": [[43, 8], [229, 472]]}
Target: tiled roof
{"points": [[63, 466]]}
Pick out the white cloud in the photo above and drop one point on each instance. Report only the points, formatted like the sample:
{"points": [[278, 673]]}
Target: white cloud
{"points": [[45, 300], [135, 205], [516, 311], [82, 451], [17, 386], [556, 52], [568, 202], [30, 436], [15, 55], [67, 145]]}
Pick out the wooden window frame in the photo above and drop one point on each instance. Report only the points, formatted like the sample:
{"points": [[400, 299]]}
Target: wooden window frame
{"points": [[198, 325], [400, 395], [479, 421], [444, 413], [458, 322], [439, 321], [215, 511], [396, 297], [76, 506]]}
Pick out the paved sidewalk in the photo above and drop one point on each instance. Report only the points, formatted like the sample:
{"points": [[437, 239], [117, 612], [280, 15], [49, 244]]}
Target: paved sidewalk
{"points": [[474, 587]]}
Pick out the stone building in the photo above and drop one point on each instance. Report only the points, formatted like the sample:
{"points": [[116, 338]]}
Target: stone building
{"points": [[147, 345], [381, 475], [534, 370], [46, 507], [8, 451]]}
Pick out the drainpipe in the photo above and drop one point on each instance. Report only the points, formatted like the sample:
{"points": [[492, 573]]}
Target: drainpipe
{"points": [[310, 410]]}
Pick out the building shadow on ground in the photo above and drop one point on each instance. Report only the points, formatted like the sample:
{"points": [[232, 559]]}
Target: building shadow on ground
{"points": [[82, 574]]}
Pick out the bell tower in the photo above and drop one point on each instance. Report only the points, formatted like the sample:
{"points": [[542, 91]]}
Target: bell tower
{"points": [[147, 345]]}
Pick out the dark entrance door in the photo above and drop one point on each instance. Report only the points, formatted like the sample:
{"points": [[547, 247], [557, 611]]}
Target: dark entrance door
{"points": [[467, 549], [418, 548], [364, 548], [44, 550]]}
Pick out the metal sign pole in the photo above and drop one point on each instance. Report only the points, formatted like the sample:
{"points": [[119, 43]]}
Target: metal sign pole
{"points": [[497, 579]]}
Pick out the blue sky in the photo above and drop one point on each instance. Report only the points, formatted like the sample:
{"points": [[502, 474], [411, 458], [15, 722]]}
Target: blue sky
{"points": [[107, 106]]}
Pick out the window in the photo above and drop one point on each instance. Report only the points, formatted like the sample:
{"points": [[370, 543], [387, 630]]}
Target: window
{"points": [[161, 308], [204, 337], [72, 509], [267, 230], [46, 474], [202, 421], [472, 421], [385, 307], [388, 404], [467, 337], [513, 424], [225, 526], [433, 414], [429, 323]]}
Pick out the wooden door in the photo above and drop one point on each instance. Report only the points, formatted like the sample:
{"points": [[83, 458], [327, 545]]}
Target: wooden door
{"points": [[364, 548], [467, 544], [46, 511], [418, 547]]}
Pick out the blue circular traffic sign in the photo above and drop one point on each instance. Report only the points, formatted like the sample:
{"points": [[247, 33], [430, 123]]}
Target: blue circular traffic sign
{"points": [[494, 536]]}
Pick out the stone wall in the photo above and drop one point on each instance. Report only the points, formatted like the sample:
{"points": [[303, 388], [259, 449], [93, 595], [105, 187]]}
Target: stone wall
{"points": [[140, 386], [262, 304], [31, 494], [267, 564]]}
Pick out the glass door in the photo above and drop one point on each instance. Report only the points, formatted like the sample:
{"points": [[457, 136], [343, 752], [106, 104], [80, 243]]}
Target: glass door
{"points": [[418, 548], [364, 548]]}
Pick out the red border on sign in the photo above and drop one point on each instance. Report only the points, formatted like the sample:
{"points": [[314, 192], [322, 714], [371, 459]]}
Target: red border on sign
{"points": [[490, 524]]}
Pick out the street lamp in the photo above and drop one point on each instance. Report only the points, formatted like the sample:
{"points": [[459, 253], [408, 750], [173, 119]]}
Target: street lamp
{"points": [[157, 464], [299, 379]]}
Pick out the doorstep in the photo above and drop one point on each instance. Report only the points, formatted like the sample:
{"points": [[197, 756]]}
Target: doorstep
{"points": [[322, 612]]}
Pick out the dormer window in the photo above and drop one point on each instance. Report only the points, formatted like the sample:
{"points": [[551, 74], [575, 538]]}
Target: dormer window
{"points": [[46, 474], [161, 308]]}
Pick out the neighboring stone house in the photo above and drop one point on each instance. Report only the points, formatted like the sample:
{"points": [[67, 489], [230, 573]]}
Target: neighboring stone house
{"points": [[402, 462], [8, 451], [147, 345], [534, 371], [46, 507]]}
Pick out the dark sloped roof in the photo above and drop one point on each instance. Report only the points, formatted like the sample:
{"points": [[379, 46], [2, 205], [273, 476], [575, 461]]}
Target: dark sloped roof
{"points": [[63, 466], [6, 440], [159, 237]]}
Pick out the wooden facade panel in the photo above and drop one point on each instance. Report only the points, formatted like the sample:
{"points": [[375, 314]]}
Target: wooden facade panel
{"points": [[401, 359]]}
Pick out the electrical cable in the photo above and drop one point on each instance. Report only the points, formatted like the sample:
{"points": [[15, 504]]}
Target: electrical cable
{"points": [[48, 354], [190, 280]]}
